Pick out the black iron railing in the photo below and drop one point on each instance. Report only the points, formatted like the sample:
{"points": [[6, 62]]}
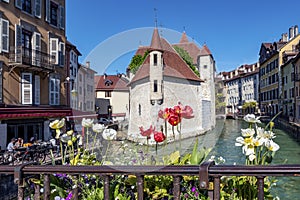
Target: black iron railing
{"points": [[31, 57], [209, 175]]}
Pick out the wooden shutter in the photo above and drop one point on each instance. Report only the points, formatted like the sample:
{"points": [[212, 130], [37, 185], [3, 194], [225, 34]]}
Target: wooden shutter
{"points": [[37, 89], [61, 54], [54, 50], [48, 13], [18, 43], [61, 17], [36, 49], [26, 88], [4, 35], [37, 8]]}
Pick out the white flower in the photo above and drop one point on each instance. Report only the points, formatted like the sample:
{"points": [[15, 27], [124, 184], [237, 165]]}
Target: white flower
{"points": [[57, 124], [272, 146], [98, 128], [249, 132], [65, 138], [251, 118], [252, 157], [109, 134], [80, 139], [87, 123]]}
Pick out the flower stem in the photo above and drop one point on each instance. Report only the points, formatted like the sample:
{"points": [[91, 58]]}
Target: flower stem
{"points": [[94, 142], [61, 153], [104, 157]]}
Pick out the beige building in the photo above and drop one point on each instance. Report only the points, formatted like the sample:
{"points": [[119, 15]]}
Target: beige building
{"points": [[33, 67], [112, 96]]}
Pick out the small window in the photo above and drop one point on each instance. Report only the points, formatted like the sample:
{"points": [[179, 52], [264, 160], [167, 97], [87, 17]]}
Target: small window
{"points": [[107, 93], [155, 59], [155, 86], [53, 13], [26, 6], [205, 66], [140, 109]]}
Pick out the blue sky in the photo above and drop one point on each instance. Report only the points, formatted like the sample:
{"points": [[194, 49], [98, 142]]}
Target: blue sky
{"points": [[108, 32]]}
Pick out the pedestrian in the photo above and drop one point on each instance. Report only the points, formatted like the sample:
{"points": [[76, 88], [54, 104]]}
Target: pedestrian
{"points": [[11, 146]]}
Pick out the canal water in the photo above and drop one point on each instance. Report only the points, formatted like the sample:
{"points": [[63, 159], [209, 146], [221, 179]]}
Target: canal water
{"points": [[222, 142]]}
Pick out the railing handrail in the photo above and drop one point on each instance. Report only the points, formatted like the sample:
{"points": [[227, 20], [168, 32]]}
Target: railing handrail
{"points": [[220, 170], [206, 172]]}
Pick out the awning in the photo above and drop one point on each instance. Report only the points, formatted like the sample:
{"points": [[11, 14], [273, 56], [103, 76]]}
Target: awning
{"points": [[33, 112]]}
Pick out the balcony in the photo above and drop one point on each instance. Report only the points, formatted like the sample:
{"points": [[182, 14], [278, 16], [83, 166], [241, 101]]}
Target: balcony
{"points": [[29, 58]]}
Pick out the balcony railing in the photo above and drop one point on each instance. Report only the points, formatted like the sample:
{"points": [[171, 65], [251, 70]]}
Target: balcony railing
{"points": [[30, 57], [209, 175]]}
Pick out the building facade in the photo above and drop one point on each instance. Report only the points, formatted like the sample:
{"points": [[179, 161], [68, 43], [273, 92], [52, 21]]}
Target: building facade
{"points": [[272, 57], [112, 96], [163, 80], [241, 86], [33, 68]]}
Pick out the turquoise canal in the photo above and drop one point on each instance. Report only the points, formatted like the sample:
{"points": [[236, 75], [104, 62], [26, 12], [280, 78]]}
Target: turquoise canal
{"points": [[222, 142]]}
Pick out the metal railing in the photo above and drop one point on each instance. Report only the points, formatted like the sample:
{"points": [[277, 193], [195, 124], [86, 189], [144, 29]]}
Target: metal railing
{"points": [[209, 175], [27, 56]]}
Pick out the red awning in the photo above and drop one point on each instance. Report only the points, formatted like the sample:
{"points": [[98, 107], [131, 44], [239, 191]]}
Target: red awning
{"points": [[33, 112]]}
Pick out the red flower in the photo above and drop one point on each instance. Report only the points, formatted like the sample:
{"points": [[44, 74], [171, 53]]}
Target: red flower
{"points": [[165, 114], [187, 112], [174, 119], [159, 136], [147, 133]]}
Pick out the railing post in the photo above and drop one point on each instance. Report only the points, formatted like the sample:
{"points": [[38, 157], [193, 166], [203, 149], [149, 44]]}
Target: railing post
{"points": [[216, 189], [18, 179], [106, 187], [140, 187], [176, 187], [75, 191], [204, 178], [46, 186], [260, 185]]}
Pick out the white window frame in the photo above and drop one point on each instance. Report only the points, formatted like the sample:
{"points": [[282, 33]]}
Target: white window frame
{"points": [[54, 49], [36, 49], [54, 93], [4, 35], [38, 8], [26, 86]]}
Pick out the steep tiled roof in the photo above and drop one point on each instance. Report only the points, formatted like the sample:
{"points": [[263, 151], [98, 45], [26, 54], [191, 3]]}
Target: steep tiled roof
{"points": [[110, 82], [190, 47], [205, 51], [183, 38], [155, 42], [174, 65]]}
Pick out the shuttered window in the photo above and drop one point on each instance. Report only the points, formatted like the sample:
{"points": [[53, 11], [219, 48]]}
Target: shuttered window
{"points": [[4, 35], [61, 54], [54, 50], [61, 17], [18, 4], [37, 89], [26, 88], [36, 49], [47, 11], [54, 88], [18, 43]]}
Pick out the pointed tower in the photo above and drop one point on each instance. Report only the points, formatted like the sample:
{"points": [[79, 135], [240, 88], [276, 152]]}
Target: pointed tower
{"points": [[156, 69], [184, 38]]}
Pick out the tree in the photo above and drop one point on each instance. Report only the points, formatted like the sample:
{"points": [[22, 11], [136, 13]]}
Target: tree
{"points": [[137, 61], [187, 58]]}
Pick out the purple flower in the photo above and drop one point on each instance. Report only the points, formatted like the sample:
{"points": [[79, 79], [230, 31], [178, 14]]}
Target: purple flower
{"points": [[69, 197], [193, 189]]}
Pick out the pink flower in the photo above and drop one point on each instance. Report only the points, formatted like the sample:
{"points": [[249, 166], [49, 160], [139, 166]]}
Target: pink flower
{"points": [[165, 114], [147, 133], [187, 112], [174, 118]]}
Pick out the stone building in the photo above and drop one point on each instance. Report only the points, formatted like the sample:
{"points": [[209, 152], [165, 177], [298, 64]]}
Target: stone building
{"points": [[163, 80]]}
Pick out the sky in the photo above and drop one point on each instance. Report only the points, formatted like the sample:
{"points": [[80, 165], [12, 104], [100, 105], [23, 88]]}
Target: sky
{"points": [[107, 33]]}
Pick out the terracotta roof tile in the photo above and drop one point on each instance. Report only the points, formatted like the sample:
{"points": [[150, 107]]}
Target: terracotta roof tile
{"points": [[155, 42], [111, 82]]}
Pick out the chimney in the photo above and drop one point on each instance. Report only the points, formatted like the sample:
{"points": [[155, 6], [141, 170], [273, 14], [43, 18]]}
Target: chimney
{"points": [[291, 33], [87, 64], [296, 30], [284, 37]]}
